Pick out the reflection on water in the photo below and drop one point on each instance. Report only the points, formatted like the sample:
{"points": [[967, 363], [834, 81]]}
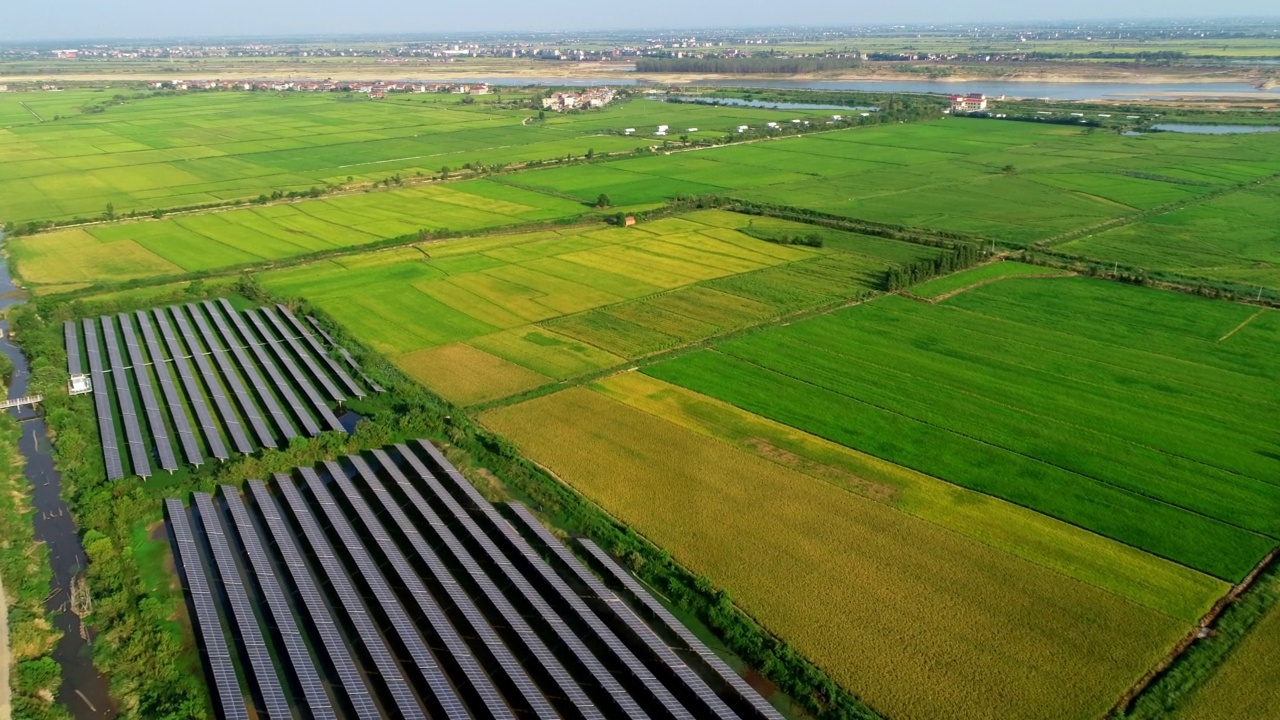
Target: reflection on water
{"points": [[1214, 129]]}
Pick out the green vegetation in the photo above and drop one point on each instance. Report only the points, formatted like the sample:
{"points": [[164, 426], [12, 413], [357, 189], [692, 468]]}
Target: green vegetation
{"points": [[1137, 377]]}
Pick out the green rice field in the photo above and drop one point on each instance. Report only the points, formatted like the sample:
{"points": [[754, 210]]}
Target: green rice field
{"points": [[1129, 412], [558, 304]]}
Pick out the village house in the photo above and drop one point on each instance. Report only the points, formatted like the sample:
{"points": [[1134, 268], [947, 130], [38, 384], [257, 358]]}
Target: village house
{"points": [[973, 102]]}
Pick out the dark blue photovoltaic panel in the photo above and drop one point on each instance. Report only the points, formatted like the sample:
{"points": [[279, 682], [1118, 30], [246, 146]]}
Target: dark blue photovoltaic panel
{"points": [[726, 673], [436, 619], [646, 635], [281, 384], [138, 454], [250, 371], [173, 399], [321, 619], [565, 684], [194, 396], [317, 403], [316, 373], [357, 614], [102, 403], [159, 431], [73, 348], [261, 670], [225, 682], [337, 370], [233, 379], [561, 593], [399, 619], [281, 615], [229, 419]]}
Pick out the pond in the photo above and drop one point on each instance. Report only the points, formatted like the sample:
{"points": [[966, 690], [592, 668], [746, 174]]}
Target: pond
{"points": [[1214, 129]]}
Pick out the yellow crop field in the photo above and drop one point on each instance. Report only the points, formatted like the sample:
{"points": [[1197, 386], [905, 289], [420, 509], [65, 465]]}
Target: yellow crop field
{"points": [[1126, 571], [65, 258], [466, 376], [918, 620]]}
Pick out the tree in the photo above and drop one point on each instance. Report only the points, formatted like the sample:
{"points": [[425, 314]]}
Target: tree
{"points": [[591, 152], [1009, 170], [603, 201], [110, 214], [444, 173], [542, 114]]}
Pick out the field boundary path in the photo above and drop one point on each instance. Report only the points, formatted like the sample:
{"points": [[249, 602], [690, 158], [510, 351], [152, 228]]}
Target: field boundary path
{"points": [[1242, 325], [1201, 630], [4, 655], [988, 281], [35, 115]]}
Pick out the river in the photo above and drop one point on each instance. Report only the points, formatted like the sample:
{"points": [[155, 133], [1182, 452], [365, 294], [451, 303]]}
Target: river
{"points": [[995, 88], [84, 691]]}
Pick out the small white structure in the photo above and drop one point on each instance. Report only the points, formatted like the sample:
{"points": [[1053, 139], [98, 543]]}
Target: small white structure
{"points": [[692, 130], [629, 131], [663, 128], [661, 133], [837, 118], [79, 385], [743, 128], [773, 125]]}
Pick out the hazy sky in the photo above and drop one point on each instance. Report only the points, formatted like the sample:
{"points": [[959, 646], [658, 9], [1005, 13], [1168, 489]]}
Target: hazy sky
{"points": [[56, 19]]}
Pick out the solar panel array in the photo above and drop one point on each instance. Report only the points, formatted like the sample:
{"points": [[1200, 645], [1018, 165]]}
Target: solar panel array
{"points": [[102, 403], [238, 379], [386, 586]]}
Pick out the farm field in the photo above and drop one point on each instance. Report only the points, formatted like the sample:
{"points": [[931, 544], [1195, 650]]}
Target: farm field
{"points": [[906, 613], [63, 259], [1017, 183], [1117, 409], [526, 309], [991, 272], [173, 151], [1233, 237]]}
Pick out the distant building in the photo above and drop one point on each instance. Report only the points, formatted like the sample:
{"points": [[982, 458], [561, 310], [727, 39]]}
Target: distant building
{"points": [[79, 385], [629, 221], [973, 102]]}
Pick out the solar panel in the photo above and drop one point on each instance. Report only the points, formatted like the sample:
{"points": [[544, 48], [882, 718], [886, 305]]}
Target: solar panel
{"points": [[564, 682], [337, 370], [102, 403], [322, 621], [642, 631], [73, 348], [316, 373], [315, 324], [172, 397], [317, 403], [138, 454], [264, 359], [159, 431], [719, 667], [277, 606], [576, 608], [255, 645], [229, 419], [250, 370], [356, 612], [436, 618], [397, 617], [233, 379], [225, 683]]}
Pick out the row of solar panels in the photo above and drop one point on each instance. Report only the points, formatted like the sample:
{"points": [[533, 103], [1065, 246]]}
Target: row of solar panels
{"points": [[389, 588], [261, 369]]}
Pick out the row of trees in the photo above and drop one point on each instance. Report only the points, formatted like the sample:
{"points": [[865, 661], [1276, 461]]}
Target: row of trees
{"points": [[961, 256]]}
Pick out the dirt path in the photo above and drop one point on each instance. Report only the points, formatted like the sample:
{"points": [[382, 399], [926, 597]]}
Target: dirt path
{"points": [[1234, 330], [950, 294], [4, 656]]}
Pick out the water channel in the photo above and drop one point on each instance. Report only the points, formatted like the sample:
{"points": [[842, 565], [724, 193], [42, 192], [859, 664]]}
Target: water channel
{"points": [[84, 691]]}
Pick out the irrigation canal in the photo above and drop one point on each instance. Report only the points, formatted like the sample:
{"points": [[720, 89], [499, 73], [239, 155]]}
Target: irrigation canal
{"points": [[84, 691]]}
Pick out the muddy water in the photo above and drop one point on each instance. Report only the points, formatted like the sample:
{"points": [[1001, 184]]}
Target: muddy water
{"points": [[84, 690]]}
